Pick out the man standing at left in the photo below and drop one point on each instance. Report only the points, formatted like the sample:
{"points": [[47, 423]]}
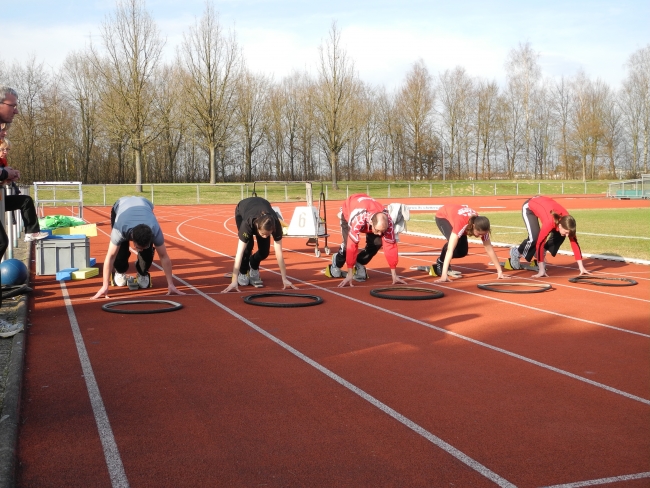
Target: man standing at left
{"points": [[8, 109], [132, 220]]}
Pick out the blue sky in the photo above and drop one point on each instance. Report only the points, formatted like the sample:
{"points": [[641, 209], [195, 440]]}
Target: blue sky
{"points": [[383, 38]]}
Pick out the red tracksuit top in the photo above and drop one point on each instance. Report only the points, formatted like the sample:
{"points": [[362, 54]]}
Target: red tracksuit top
{"points": [[358, 210], [458, 216], [542, 207]]}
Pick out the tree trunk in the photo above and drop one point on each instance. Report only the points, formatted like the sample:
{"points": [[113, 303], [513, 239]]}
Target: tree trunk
{"points": [[138, 170], [334, 162], [213, 164]]}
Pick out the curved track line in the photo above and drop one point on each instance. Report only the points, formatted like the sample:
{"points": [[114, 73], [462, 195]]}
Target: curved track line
{"points": [[437, 441], [454, 334], [446, 287]]}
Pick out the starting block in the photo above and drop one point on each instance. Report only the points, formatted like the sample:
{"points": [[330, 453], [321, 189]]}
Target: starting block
{"points": [[526, 266], [430, 271]]}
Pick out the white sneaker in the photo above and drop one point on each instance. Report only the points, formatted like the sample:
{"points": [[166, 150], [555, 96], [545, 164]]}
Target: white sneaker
{"points": [[242, 279], [36, 236], [144, 281], [8, 329], [119, 279], [514, 258]]}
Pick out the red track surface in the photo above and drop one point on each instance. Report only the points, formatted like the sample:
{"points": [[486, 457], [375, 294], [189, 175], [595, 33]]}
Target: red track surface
{"points": [[473, 389]]}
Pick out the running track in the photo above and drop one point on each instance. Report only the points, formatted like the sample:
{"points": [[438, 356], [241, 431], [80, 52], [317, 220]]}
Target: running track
{"points": [[474, 389]]}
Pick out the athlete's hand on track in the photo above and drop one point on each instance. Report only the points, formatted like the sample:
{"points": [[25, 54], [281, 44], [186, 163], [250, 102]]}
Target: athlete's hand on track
{"points": [[172, 290], [231, 286], [540, 274], [102, 291], [443, 279], [347, 280], [288, 284], [399, 281]]}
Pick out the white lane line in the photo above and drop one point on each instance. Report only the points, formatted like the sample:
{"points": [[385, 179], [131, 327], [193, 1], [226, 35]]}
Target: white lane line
{"points": [[523, 229], [602, 481], [454, 334], [111, 452], [448, 287], [437, 441]]}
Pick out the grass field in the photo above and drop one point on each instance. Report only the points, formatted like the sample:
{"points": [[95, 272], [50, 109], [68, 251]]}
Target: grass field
{"points": [[597, 230], [202, 193]]}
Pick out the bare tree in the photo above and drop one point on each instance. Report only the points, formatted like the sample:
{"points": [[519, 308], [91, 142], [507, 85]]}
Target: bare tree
{"points": [[416, 102], [133, 49], [636, 98], [171, 117], [488, 94], [213, 63], [337, 84], [31, 82], [455, 88], [81, 84], [524, 74], [251, 109]]}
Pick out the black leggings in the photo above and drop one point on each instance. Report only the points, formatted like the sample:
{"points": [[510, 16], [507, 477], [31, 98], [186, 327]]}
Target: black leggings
{"points": [[25, 204], [373, 245], [250, 260], [462, 247]]}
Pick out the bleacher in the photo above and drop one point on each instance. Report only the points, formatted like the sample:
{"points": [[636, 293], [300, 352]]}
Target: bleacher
{"points": [[630, 189]]}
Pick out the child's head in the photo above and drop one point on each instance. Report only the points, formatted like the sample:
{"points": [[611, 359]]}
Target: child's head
{"points": [[568, 223], [478, 226], [265, 225]]}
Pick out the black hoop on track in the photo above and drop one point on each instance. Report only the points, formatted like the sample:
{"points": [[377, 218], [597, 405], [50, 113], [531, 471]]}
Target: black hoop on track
{"points": [[533, 287], [429, 293], [595, 280], [253, 300], [12, 291], [109, 306]]}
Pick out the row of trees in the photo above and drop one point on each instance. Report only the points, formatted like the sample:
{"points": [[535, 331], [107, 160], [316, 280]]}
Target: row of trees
{"points": [[117, 113]]}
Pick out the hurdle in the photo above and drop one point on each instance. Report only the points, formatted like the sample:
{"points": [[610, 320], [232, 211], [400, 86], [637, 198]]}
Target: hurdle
{"points": [[72, 195], [310, 222]]}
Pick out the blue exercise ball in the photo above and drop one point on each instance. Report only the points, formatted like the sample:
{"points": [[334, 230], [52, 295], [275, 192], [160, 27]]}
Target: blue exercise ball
{"points": [[13, 272]]}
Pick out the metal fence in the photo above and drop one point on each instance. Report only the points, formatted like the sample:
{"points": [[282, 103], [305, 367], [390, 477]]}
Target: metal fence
{"points": [[630, 189], [278, 191]]}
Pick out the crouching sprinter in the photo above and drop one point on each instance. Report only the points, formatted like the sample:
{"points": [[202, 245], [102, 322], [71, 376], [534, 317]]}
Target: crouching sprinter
{"points": [[132, 220], [361, 214], [255, 217]]}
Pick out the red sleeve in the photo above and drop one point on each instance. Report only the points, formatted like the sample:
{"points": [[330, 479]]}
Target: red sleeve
{"points": [[575, 247], [390, 245]]}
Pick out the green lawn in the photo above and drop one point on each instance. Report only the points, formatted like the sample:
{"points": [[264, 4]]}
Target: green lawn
{"points": [[633, 223]]}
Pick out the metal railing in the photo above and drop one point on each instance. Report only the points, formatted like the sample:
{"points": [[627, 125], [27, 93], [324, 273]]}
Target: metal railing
{"points": [[630, 189]]}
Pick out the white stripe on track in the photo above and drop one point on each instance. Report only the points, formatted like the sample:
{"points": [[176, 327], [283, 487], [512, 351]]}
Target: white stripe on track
{"points": [[459, 336], [437, 441], [603, 481], [111, 452]]}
